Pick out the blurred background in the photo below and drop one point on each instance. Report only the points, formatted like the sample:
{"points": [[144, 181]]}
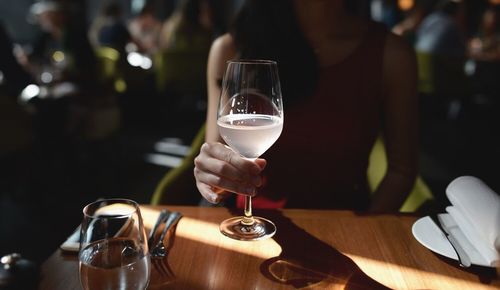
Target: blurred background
{"points": [[102, 98]]}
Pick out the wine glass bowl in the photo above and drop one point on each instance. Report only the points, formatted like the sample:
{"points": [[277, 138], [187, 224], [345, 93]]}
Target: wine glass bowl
{"points": [[251, 130], [250, 120], [113, 246]]}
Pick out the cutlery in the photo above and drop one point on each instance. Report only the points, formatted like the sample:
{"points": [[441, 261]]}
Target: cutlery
{"points": [[442, 222], [159, 251], [161, 218]]}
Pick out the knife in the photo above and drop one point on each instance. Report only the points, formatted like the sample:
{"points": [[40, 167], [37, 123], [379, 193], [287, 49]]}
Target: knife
{"points": [[447, 226]]}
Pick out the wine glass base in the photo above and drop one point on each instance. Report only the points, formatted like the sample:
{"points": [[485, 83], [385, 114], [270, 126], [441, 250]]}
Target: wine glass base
{"points": [[259, 230]]}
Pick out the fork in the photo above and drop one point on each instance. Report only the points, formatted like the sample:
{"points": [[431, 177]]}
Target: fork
{"points": [[159, 251], [161, 218]]}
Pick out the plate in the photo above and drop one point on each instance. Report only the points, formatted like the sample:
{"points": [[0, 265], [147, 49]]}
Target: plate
{"points": [[427, 233]]}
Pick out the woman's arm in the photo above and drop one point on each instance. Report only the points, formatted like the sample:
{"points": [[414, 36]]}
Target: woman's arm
{"points": [[218, 169], [400, 125]]}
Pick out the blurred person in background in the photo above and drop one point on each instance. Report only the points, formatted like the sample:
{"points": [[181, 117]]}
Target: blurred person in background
{"points": [[108, 28], [15, 125], [189, 25], [486, 45], [441, 51], [442, 31], [13, 77], [181, 62], [145, 30], [483, 65], [74, 100], [410, 24], [63, 46], [345, 80], [16, 140], [385, 11]]}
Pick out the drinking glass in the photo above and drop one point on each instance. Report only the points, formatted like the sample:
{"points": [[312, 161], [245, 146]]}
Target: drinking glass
{"points": [[113, 246], [250, 120]]}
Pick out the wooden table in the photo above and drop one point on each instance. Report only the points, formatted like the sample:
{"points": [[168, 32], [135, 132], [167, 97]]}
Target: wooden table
{"points": [[312, 249]]}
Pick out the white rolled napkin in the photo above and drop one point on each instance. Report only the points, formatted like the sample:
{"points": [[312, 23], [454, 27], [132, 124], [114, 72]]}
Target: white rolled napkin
{"points": [[476, 210]]}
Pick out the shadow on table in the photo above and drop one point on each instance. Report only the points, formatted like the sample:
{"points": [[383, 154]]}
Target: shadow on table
{"points": [[162, 273], [307, 261], [485, 275]]}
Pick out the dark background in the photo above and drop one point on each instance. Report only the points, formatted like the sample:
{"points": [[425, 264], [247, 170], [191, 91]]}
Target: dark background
{"points": [[42, 190]]}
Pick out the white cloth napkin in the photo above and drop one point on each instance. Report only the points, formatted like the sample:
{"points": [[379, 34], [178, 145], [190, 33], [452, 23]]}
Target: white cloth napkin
{"points": [[476, 210]]}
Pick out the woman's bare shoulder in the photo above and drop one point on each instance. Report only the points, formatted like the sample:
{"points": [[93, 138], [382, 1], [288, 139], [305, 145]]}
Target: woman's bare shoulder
{"points": [[222, 50], [399, 59], [397, 49], [399, 72]]}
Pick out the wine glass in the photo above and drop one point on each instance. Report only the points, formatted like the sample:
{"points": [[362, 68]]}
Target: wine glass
{"points": [[250, 120], [113, 246]]}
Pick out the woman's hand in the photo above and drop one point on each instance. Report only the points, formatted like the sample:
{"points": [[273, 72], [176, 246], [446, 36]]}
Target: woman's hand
{"points": [[219, 170]]}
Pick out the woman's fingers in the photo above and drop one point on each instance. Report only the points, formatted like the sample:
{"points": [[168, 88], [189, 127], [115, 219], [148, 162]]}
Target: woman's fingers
{"points": [[227, 171], [224, 153], [218, 169], [224, 162], [220, 182], [209, 194]]}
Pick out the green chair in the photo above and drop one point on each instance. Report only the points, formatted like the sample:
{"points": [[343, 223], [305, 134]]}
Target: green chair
{"points": [[376, 171], [178, 185]]}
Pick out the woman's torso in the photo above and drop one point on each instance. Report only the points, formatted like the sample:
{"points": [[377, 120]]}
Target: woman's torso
{"points": [[321, 157]]}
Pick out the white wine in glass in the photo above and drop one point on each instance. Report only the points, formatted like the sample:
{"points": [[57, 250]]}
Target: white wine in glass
{"points": [[250, 120]]}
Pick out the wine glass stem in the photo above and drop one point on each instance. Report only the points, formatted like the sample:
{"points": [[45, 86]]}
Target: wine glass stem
{"points": [[248, 218]]}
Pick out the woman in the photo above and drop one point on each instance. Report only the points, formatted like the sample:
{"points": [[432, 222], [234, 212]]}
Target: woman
{"points": [[344, 82], [486, 45]]}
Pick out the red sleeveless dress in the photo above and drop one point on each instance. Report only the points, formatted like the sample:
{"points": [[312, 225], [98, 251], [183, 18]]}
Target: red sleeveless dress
{"points": [[321, 157]]}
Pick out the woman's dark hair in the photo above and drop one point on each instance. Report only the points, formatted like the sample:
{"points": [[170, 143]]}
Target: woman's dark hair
{"points": [[268, 29]]}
